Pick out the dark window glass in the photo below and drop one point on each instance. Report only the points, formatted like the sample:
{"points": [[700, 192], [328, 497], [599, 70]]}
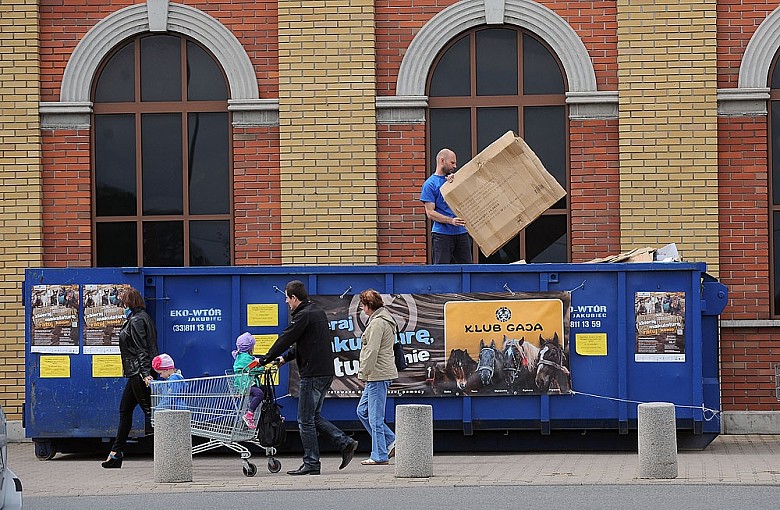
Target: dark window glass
{"points": [[163, 243], [162, 164], [209, 243], [115, 165], [775, 80], [545, 132], [541, 74], [116, 83], [507, 254], [116, 244], [204, 78], [545, 239], [776, 261], [452, 76], [492, 123], [496, 62], [209, 159], [451, 129], [776, 152], [161, 68]]}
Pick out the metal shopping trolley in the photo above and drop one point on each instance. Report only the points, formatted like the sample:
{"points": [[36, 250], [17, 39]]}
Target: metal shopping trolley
{"points": [[216, 408]]}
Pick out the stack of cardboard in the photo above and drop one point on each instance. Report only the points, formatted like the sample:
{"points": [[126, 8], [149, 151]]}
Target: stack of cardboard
{"points": [[666, 253]]}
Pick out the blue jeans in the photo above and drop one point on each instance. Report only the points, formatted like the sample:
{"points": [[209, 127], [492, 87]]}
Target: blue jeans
{"points": [[310, 421], [451, 249], [371, 411]]}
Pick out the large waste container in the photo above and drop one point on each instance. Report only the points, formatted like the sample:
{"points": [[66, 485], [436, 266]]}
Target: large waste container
{"points": [[623, 334]]}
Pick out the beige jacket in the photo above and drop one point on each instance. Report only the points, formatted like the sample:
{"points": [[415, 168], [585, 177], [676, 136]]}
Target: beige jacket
{"points": [[377, 362]]}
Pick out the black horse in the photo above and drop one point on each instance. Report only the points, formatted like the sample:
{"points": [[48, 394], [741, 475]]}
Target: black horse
{"points": [[490, 367], [460, 366], [552, 373]]}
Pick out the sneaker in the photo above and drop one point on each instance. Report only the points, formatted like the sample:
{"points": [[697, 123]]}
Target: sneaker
{"points": [[249, 419], [391, 450]]}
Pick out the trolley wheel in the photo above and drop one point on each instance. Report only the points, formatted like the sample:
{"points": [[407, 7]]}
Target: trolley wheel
{"points": [[45, 450], [250, 469], [274, 466]]}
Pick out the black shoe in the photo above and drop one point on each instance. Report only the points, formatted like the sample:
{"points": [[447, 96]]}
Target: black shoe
{"points": [[304, 470], [113, 461], [347, 454]]}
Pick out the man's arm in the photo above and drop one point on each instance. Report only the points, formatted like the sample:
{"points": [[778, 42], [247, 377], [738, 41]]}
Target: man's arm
{"points": [[434, 215], [289, 336]]}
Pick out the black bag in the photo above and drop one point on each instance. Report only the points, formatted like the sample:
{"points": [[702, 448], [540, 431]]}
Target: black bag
{"points": [[400, 359], [270, 427]]}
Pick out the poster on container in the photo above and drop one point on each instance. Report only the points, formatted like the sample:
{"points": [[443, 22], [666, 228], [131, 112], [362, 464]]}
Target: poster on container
{"points": [[660, 327], [459, 344], [55, 323], [103, 318]]}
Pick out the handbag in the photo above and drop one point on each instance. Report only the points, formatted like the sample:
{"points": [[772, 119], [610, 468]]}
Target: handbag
{"points": [[400, 359], [270, 429]]}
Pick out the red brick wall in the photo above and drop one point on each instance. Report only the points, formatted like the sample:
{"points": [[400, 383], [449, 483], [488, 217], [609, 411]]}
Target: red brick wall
{"points": [[737, 21], [401, 166], [747, 359], [595, 189]]}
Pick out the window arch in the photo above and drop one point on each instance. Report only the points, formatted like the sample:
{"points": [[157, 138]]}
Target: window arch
{"points": [[162, 188], [490, 80]]}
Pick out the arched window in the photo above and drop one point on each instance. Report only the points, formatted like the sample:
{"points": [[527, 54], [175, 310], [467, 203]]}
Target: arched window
{"points": [[162, 186], [486, 82], [774, 181]]}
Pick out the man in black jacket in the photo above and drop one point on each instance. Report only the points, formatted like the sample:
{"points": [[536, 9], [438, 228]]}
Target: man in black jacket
{"points": [[307, 341]]}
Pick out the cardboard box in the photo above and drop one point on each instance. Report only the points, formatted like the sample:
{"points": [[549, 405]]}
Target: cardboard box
{"points": [[501, 191]]}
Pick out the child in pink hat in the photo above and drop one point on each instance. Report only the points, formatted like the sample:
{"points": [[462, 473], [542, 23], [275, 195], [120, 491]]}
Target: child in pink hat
{"points": [[247, 379], [173, 384]]}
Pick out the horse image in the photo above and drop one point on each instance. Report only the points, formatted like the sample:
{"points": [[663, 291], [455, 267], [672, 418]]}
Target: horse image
{"points": [[460, 366], [490, 366], [520, 358], [441, 382], [552, 374]]}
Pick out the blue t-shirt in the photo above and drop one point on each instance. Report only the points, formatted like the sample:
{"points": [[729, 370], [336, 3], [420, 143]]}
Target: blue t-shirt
{"points": [[431, 192]]}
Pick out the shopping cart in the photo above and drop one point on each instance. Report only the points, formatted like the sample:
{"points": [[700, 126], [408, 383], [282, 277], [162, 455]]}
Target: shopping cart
{"points": [[216, 408]]}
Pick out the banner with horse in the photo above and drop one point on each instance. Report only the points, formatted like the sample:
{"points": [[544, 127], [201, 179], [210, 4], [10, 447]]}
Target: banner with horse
{"points": [[456, 344]]}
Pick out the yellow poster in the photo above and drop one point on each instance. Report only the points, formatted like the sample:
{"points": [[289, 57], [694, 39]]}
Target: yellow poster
{"points": [[591, 344], [104, 365], [262, 344], [262, 315], [55, 366], [469, 323]]}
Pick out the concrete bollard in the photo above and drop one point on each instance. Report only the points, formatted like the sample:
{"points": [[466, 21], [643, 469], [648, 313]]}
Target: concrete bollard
{"points": [[172, 447], [413, 441], [657, 440]]}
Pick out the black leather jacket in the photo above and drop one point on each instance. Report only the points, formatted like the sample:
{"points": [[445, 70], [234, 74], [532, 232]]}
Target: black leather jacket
{"points": [[308, 339], [138, 344]]}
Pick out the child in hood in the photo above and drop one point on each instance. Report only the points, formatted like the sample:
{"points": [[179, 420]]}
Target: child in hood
{"points": [[173, 385], [247, 379]]}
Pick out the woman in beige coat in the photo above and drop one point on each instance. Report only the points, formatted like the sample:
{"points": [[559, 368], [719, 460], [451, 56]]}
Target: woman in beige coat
{"points": [[377, 369]]}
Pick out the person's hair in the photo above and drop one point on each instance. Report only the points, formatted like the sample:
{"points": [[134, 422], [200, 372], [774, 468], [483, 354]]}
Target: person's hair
{"points": [[132, 298], [371, 299], [297, 289]]}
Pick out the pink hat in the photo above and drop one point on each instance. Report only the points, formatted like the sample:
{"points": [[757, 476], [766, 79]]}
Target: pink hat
{"points": [[162, 362]]}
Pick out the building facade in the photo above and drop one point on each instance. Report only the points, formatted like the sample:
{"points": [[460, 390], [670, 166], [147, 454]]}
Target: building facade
{"points": [[264, 132]]}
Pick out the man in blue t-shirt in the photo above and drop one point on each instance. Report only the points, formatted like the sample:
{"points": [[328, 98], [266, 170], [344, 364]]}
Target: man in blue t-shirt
{"points": [[450, 240]]}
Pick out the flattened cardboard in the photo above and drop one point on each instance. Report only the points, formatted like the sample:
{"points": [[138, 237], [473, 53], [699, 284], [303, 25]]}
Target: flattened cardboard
{"points": [[501, 191]]}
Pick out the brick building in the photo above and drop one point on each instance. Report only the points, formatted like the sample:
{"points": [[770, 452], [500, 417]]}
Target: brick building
{"points": [[263, 132]]}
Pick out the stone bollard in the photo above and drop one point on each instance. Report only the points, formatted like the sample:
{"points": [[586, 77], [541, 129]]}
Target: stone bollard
{"points": [[172, 446], [413, 441], [657, 440]]}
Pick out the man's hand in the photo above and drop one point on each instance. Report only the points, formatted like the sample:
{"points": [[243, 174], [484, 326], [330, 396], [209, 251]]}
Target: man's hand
{"points": [[458, 222], [279, 361]]}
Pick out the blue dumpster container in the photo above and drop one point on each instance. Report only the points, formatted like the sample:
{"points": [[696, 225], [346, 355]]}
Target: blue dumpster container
{"points": [[632, 333]]}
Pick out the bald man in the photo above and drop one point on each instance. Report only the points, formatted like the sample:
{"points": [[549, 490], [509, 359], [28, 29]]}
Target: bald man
{"points": [[450, 240]]}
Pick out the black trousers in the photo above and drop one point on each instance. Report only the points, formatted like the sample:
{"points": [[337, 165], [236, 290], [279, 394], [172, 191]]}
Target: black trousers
{"points": [[451, 249], [136, 393]]}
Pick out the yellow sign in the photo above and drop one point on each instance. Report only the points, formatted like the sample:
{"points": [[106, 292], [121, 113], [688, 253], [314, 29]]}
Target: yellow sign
{"points": [[466, 323], [55, 366], [591, 344], [106, 366], [263, 343], [262, 315]]}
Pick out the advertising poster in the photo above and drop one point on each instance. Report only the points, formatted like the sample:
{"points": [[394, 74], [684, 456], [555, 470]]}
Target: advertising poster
{"points": [[55, 324], [660, 327], [103, 318], [459, 344]]}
